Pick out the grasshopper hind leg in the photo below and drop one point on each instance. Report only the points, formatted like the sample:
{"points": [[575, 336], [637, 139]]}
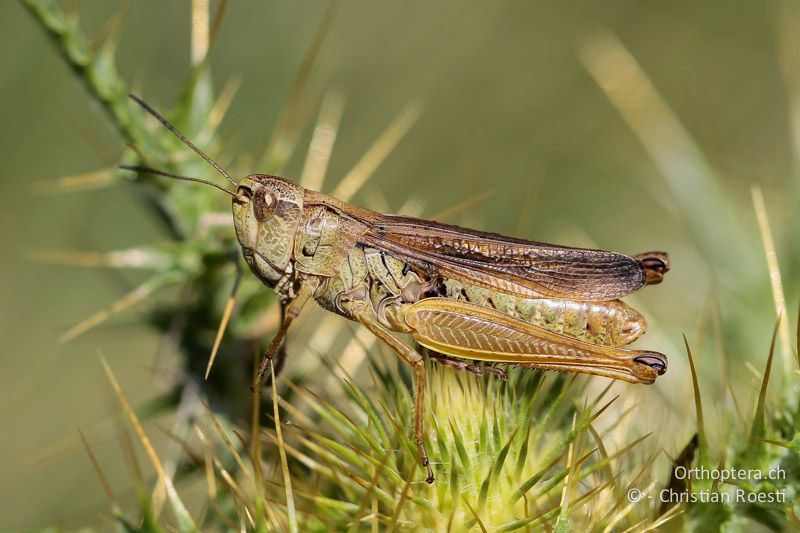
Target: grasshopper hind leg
{"points": [[413, 359], [464, 366]]}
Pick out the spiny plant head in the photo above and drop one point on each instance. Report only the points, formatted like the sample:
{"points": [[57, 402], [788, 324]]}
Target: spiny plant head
{"points": [[516, 455]]}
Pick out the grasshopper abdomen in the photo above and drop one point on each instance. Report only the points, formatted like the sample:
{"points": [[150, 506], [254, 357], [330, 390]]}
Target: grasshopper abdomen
{"points": [[610, 323]]}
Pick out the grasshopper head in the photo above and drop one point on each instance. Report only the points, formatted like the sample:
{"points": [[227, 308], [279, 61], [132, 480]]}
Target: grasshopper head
{"points": [[266, 214]]}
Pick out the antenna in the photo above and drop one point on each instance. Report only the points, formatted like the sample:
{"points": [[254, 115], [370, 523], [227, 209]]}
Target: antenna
{"points": [[175, 176], [183, 139]]}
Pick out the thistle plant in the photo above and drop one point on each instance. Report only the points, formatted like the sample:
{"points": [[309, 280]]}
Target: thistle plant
{"points": [[539, 452]]}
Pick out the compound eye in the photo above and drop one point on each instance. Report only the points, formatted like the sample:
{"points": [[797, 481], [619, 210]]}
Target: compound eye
{"points": [[264, 204]]}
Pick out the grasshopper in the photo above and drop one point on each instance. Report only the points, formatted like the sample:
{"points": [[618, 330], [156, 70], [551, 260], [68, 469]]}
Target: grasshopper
{"points": [[463, 295]]}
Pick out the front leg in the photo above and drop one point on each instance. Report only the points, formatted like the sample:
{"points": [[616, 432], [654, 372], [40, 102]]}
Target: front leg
{"points": [[290, 312], [417, 363], [280, 355]]}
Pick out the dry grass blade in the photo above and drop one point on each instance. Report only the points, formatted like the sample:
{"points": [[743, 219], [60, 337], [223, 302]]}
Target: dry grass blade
{"points": [[698, 403], [403, 498], [305, 459], [781, 443], [372, 158], [129, 452], [280, 144], [547, 515], [300, 417], [620, 418], [353, 355], [465, 205], [255, 440], [607, 460], [704, 319], [598, 439], [619, 516], [719, 337], [185, 522], [411, 208], [666, 517], [137, 295], [200, 31], [757, 431], [237, 457], [208, 463], [109, 34], [112, 501], [566, 493], [223, 324], [600, 411], [131, 258], [369, 495], [788, 19], [219, 110], [474, 515], [236, 490], [77, 183], [322, 140], [195, 458], [182, 421], [526, 208], [619, 501], [774, 276], [685, 169], [287, 480], [216, 22], [602, 395], [69, 445]]}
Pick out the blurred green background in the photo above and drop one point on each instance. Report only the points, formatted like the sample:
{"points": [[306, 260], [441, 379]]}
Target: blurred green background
{"points": [[509, 106]]}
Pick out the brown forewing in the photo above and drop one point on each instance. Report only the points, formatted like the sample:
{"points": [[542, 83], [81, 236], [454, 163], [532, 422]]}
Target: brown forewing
{"points": [[514, 266]]}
